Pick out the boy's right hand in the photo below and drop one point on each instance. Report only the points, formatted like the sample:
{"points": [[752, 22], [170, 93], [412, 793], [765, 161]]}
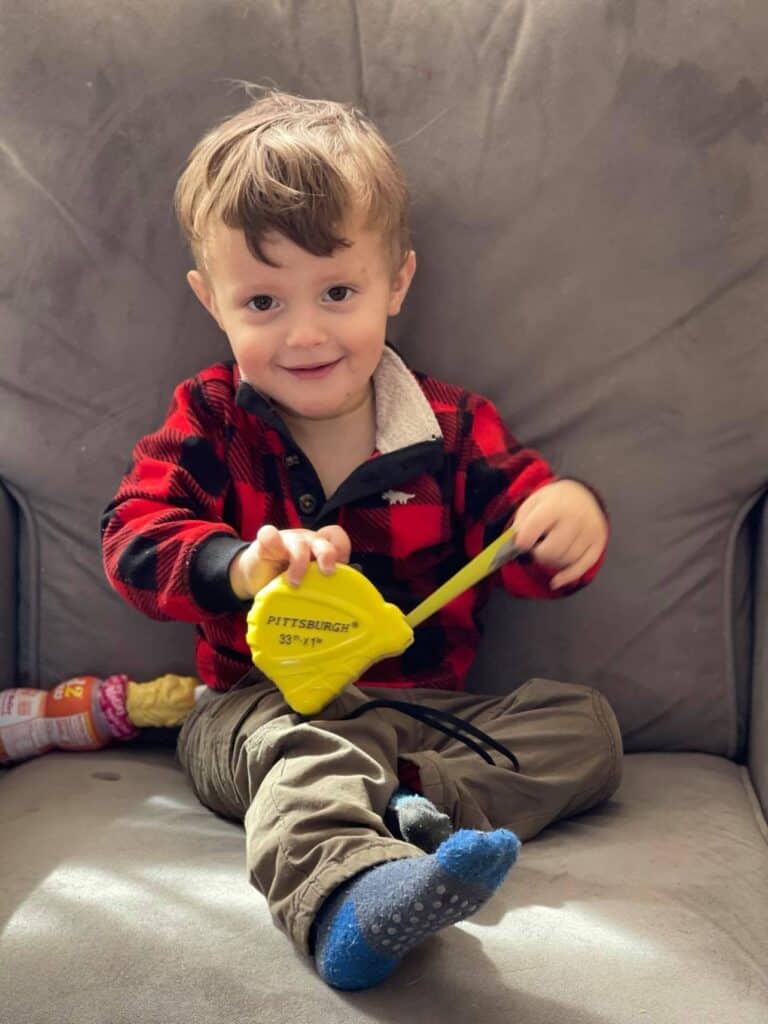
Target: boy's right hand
{"points": [[273, 551]]}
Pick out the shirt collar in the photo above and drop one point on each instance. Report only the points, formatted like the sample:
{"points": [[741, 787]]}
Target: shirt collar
{"points": [[403, 415]]}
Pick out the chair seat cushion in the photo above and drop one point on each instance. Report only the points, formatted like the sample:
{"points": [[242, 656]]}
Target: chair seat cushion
{"points": [[130, 901]]}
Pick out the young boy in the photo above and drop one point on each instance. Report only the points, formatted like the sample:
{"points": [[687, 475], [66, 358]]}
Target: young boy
{"points": [[317, 442]]}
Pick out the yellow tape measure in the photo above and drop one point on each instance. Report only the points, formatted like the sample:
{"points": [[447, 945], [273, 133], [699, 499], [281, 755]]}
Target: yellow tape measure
{"points": [[314, 639]]}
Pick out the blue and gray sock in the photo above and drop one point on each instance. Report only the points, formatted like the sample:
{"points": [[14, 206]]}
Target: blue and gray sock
{"points": [[369, 924]]}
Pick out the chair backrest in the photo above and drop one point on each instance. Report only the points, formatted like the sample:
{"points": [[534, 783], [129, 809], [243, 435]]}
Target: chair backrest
{"points": [[590, 186]]}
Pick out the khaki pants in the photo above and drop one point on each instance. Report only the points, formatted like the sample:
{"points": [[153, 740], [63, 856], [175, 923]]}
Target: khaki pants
{"points": [[312, 794]]}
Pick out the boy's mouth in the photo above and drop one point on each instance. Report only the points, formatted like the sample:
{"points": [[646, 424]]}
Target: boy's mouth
{"points": [[311, 371]]}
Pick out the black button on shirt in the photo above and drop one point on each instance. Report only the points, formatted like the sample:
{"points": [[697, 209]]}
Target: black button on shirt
{"points": [[307, 504]]}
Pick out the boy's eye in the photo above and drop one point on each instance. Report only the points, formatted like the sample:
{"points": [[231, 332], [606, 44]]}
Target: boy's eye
{"points": [[339, 292], [262, 303]]}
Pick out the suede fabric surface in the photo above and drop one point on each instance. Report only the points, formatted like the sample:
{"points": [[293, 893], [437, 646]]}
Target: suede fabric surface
{"points": [[758, 744], [590, 195], [133, 904], [8, 563]]}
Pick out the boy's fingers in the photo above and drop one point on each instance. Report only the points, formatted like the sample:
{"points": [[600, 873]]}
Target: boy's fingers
{"points": [[300, 553], [325, 555], [271, 544], [295, 548], [532, 525], [560, 548], [576, 571], [339, 538], [552, 548]]}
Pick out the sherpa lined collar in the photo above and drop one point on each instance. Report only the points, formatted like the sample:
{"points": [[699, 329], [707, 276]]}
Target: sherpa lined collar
{"points": [[403, 415]]}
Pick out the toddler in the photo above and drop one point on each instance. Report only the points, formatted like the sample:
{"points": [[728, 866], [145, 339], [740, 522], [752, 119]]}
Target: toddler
{"points": [[379, 821]]}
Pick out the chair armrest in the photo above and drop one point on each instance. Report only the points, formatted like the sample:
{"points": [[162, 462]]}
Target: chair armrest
{"points": [[758, 729], [8, 588]]}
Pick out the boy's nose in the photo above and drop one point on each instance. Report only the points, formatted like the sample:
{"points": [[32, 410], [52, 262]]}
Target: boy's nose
{"points": [[306, 333]]}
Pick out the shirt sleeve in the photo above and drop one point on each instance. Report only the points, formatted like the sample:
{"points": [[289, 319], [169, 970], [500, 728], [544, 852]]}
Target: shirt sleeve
{"points": [[495, 476], [166, 547]]}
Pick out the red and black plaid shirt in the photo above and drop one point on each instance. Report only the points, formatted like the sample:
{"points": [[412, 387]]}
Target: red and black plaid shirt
{"points": [[444, 481]]}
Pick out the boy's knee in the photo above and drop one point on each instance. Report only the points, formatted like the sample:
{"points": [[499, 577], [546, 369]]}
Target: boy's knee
{"points": [[588, 729], [614, 751], [594, 717]]}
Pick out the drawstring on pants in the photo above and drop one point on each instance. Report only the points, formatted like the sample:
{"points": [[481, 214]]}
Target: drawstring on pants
{"points": [[444, 722]]}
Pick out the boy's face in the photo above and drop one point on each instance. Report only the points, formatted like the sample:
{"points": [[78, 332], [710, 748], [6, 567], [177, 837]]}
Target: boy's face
{"points": [[308, 332]]}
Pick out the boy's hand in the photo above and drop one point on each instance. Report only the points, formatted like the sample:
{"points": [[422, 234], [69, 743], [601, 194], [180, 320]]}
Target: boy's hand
{"points": [[275, 550], [564, 528]]}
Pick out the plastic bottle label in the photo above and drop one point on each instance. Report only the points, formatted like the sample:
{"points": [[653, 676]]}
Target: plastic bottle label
{"points": [[23, 729], [71, 709]]}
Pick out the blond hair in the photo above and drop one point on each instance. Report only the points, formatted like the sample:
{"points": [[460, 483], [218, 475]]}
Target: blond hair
{"points": [[295, 166]]}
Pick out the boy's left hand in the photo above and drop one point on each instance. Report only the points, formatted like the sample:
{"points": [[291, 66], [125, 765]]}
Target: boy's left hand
{"points": [[563, 527]]}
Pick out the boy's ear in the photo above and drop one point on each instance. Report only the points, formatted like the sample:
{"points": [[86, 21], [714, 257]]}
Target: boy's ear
{"points": [[401, 283], [203, 291]]}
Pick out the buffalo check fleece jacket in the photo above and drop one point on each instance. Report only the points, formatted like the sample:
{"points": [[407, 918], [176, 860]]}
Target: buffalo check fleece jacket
{"points": [[444, 480]]}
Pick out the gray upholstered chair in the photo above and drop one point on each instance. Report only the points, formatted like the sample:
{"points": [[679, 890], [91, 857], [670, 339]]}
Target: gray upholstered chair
{"points": [[590, 183]]}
